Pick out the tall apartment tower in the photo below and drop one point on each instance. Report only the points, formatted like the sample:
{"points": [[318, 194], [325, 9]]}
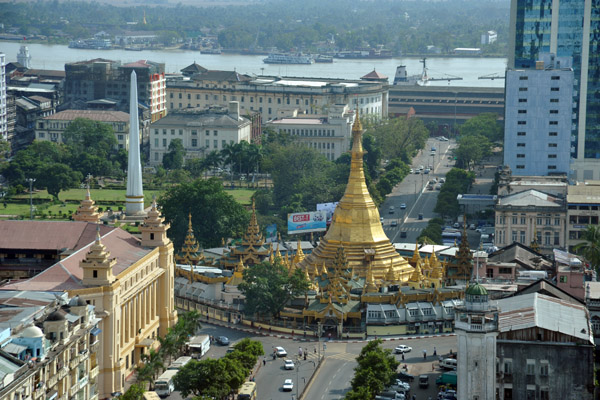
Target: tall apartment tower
{"points": [[3, 110], [538, 117], [567, 28], [476, 325]]}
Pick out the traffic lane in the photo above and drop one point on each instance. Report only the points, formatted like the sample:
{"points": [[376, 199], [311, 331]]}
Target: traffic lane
{"points": [[333, 384]]}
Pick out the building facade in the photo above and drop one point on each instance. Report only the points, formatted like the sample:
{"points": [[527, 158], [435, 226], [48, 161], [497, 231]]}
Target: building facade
{"points": [[531, 217], [3, 110], [269, 94], [538, 119], [130, 283], [330, 135], [583, 209], [105, 79], [200, 130], [52, 127], [567, 29]]}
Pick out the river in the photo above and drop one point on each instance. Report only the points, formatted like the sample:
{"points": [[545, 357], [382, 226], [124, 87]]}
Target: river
{"points": [[45, 56]]}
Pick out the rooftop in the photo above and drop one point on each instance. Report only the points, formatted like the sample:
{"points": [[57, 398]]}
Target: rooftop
{"points": [[94, 115], [530, 198]]}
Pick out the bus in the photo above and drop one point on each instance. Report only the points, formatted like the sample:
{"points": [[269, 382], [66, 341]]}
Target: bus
{"points": [[198, 346], [164, 385], [180, 362], [451, 236], [247, 391]]}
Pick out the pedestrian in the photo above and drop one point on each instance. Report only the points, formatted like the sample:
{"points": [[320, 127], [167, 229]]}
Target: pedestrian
{"points": [[433, 366], [264, 361], [315, 349], [434, 351]]}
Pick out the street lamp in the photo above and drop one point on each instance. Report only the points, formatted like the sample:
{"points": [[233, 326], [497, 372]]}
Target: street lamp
{"points": [[30, 180]]}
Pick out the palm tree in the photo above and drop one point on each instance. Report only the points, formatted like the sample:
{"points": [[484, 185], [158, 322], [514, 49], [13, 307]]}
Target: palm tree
{"points": [[153, 364], [590, 249], [213, 160], [228, 155]]}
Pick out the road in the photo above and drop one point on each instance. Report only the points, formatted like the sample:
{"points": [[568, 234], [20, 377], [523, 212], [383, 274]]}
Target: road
{"points": [[333, 378], [413, 192]]}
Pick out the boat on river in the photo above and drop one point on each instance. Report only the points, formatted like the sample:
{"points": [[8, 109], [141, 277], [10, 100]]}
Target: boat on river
{"points": [[284, 58]]}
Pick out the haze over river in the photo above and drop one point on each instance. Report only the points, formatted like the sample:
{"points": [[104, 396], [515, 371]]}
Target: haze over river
{"points": [[44, 56]]}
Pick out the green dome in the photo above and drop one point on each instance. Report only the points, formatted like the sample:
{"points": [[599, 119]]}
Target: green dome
{"points": [[476, 290]]}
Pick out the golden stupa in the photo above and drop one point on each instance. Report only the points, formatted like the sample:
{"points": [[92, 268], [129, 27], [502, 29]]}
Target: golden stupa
{"points": [[356, 227]]}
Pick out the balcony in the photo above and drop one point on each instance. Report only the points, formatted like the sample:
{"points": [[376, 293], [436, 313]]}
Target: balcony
{"points": [[74, 389], [94, 372], [83, 381], [466, 326], [52, 381], [74, 362], [62, 373], [94, 397]]}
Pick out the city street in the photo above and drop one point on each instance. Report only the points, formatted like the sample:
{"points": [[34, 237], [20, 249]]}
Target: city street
{"points": [[333, 378], [413, 192]]}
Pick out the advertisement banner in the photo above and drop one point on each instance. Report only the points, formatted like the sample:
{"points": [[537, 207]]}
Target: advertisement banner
{"points": [[271, 235], [314, 221], [329, 208]]}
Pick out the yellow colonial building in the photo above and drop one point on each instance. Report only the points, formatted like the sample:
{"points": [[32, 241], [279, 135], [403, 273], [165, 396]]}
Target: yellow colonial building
{"points": [[129, 282]]}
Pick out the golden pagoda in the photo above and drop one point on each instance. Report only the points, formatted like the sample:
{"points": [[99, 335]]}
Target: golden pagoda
{"points": [[356, 226], [252, 250], [87, 211], [189, 254], [416, 255], [463, 260], [299, 253]]}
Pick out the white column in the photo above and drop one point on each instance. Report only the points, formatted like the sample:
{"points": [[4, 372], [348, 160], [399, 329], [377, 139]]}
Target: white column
{"points": [[134, 198]]}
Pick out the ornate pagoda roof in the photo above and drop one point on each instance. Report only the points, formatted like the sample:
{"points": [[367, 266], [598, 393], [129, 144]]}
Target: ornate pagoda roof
{"points": [[356, 226], [87, 211], [189, 251]]}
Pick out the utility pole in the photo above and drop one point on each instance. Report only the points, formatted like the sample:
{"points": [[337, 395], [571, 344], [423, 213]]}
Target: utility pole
{"points": [[30, 180]]}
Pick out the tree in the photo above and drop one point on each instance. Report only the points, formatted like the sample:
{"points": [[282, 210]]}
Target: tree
{"points": [[376, 369], [92, 137], [471, 150], [211, 378], [152, 365], [485, 124], [268, 287], [134, 392], [590, 249], [215, 214], [56, 177], [173, 159]]}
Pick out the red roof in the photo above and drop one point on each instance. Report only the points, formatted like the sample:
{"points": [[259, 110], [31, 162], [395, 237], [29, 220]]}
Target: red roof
{"points": [[67, 274], [48, 235], [374, 75]]}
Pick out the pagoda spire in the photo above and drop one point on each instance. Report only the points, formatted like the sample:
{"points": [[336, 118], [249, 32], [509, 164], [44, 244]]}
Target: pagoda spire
{"points": [[356, 225], [464, 258], [253, 237], [87, 211], [299, 253], [416, 255], [134, 198], [370, 286], [189, 251]]}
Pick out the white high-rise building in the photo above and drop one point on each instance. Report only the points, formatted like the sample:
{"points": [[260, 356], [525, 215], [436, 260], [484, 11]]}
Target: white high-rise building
{"points": [[3, 114], [476, 326]]}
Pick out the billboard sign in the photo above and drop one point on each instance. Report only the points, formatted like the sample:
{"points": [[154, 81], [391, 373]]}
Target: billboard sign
{"points": [[314, 221], [327, 207], [271, 233]]}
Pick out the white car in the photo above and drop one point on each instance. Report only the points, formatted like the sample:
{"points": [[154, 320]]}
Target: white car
{"points": [[402, 384], [288, 364], [280, 351], [400, 349], [288, 385]]}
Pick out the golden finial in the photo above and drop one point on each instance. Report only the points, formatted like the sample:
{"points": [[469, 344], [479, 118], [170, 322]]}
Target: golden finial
{"points": [[417, 276], [370, 286], [277, 253], [190, 222], [390, 276], [222, 242], [324, 269], [299, 254]]}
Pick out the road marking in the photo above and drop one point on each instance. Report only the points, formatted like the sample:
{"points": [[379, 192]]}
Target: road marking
{"points": [[344, 356]]}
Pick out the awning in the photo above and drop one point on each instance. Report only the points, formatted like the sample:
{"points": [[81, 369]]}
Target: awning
{"points": [[145, 343], [72, 318], [96, 331], [14, 349]]}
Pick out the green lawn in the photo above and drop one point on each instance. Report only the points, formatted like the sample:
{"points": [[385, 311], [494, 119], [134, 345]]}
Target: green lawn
{"points": [[115, 197]]}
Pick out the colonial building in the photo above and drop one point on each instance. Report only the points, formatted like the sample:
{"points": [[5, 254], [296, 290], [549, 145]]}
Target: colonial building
{"points": [[52, 127], [330, 135], [49, 347], [130, 283], [531, 218], [201, 130], [270, 94]]}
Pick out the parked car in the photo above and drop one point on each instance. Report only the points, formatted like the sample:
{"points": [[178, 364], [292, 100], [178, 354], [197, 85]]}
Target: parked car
{"points": [[412, 170], [223, 340], [405, 376], [288, 364], [280, 351], [472, 226], [420, 217], [448, 363], [402, 348], [402, 384], [288, 385], [403, 234], [391, 210], [442, 180], [426, 171], [403, 206], [394, 223], [423, 381]]}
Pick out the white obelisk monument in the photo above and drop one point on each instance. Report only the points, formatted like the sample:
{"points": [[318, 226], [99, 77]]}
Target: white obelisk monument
{"points": [[134, 198]]}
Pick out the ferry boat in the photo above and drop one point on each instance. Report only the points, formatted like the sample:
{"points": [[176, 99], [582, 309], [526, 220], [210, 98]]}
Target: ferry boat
{"points": [[281, 58], [324, 59], [95, 44]]}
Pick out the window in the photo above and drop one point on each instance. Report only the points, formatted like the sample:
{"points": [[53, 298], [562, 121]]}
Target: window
{"points": [[207, 143], [520, 155], [552, 145], [95, 273], [538, 221], [520, 144], [553, 122], [522, 111], [522, 236], [223, 143], [553, 134], [521, 133], [522, 100], [557, 221], [155, 142], [216, 143], [181, 132], [520, 166], [189, 96], [523, 78], [551, 155], [155, 156], [554, 89], [514, 220], [194, 132], [180, 95], [556, 238], [207, 132], [194, 142], [260, 99], [530, 369], [553, 100], [523, 221], [507, 367], [521, 122], [514, 236], [522, 89], [551, 166], [215, 133], [553, 111], [164, 142], [555, 78]]}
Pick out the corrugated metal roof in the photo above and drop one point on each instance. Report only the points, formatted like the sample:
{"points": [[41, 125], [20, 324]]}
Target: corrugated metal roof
{"points": [[538, 310]]}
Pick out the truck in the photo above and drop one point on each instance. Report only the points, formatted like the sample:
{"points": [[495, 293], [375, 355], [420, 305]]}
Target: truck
{"points": [[198, 346], [447, 378], [164, 385]]}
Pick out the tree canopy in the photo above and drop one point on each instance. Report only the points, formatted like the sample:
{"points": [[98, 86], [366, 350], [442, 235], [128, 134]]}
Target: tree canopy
{"points": [[215, 214], [268, 287], [590, 248], [484, 124], [174, 158], [376, 369]]}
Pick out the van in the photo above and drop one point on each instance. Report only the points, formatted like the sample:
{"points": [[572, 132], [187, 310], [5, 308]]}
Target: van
{"points": [[391, 210], [448, 363], [423, 381]]}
